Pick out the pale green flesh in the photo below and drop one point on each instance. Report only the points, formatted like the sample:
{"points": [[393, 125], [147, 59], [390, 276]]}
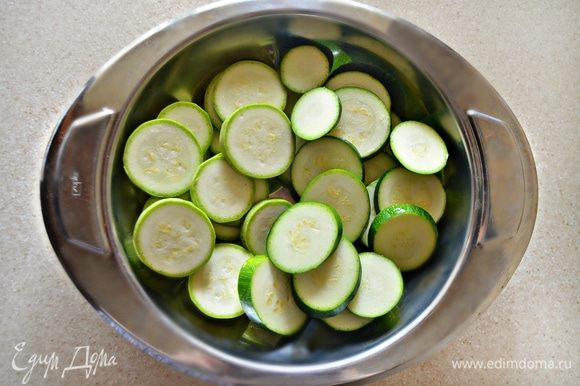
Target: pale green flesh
{"points": [[215, 145], [222, 136], [377, 166], [226, 232], [401, 186], [418, 147], [252, 149], [371, 193], [321, 155], [408, 239], [347, 321], [299, 143], [258, 223], [173, 237], [361, 80], [315, 113], [257, 335], [364, 120], [214, 288], [161, 157], [194, 118], [247, 82], [208, 103], [303, 237], [273, 302], [342, 190], [331, 285], [152, 200], [380, 289], [262, 190], [223, 193], [258, 141], [304, 68]]}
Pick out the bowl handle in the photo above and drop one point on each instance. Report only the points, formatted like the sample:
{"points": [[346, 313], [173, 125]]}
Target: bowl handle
{"points": [[71, 181], [503, 176]]}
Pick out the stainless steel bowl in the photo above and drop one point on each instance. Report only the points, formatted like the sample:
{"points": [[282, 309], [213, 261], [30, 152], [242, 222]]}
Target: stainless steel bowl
{"points": [[90, 207]]}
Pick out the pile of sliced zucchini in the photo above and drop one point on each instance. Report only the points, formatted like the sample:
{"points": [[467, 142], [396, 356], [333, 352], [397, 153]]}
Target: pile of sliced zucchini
{"points": [[335, 255]]}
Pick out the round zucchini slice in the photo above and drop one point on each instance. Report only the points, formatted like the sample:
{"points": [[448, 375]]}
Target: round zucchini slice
{"points": [[194, 118], [347, 321], [173, 237], [315, 114], [214, 287], [418, 147], [380, 289], [405, 233], [343, 191], [303, 68], [328, 289], [303, 237], [247, 82], [223, 193], [258, 141], [161, 157], [364, 121], [259, 221], [266, 297], [321, 155], [400, 186], [361, 80]]}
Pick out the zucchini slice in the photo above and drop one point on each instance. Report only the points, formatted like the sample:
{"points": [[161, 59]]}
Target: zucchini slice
{"points": [[303, 237], [223, 193], [364, 120], [381, 286], [161, 157], [364, 238], [347, 321], [259, 221], [361, 80], [194, 118], [328, 289], [266, 297], [418, 147], [405, 233], [214, 288], [151, 200], [173, 237], [208, 103], [215, 145], [304, 68], [247, 82], [315, 114], [321, 155], [400, 186], [227, 231], [258, 141], [257, 335], [377, 166], [262, 190], [343, 191]]}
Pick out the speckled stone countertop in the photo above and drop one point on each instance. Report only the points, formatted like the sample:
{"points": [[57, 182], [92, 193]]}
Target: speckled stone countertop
{"points": [[529, 51]]}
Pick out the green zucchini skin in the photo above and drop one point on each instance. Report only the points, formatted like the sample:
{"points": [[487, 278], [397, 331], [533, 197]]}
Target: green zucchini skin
{"points": [[306, 304], [393, 212]]}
